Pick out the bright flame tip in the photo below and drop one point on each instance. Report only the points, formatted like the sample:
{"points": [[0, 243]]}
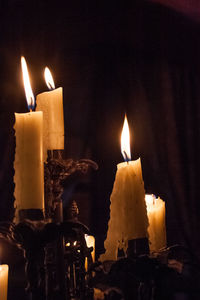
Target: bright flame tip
{"points": [[27, 86], [125, 141], [49, 79]]}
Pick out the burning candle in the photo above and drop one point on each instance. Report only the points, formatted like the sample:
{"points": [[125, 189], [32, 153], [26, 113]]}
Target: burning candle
{"points": [[51, 103], [128, 216], [156, 217], [28, 165], [3, 282]]}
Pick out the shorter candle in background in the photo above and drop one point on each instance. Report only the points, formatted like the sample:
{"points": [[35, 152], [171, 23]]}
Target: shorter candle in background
{"points": [[3, 282], [51, 104], [156, 217], [90, 242]]}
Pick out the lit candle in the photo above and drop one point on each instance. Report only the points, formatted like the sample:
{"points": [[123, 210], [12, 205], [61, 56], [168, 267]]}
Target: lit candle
{"points": [[90, 242], [156, 217], [3, 282], [51, 103], [128, 216], [28, 165]]}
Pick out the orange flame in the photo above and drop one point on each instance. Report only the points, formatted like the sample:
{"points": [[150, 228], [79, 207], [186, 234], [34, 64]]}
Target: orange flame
{"points": [[49, 79], [125, 141], [27, 86]]}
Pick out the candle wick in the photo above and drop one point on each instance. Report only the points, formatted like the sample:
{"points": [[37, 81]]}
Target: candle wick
{"points": [[126, 157], [51, 86], [32, 103]]}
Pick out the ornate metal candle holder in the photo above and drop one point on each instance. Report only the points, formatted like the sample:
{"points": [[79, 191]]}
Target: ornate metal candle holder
{"points": [[55, 250]]}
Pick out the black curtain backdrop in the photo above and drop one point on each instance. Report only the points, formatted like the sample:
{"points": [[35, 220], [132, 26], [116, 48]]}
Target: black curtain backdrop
{"points": [[111, 58]]}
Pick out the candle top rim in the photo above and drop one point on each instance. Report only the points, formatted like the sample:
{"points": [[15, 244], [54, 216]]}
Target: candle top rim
{"points": [[3, 267], [124, 164], [152, 202]]}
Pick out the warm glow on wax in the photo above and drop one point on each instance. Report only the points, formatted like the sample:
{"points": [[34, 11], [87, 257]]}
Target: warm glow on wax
{"points": [[27, 86], [49, 79], [125, 141]]}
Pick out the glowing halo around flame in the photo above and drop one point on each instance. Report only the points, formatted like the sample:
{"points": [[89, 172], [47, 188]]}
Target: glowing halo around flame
{"points": [[125, 141], [27, 86], [49, 79]]}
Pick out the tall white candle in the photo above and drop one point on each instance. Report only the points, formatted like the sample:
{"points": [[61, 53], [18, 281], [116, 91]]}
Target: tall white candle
{"points": [[28, 164], [3, 282], [156, 217], [51, 104], [128, 216]]}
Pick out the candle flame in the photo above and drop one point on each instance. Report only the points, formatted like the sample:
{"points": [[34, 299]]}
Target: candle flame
{"points": [[125, 141], [27, 86], [49, 79]]}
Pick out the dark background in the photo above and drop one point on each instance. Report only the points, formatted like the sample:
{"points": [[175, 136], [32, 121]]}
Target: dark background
{"points": [[112, 57]]}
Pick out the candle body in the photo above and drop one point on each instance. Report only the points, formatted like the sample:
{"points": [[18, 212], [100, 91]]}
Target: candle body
{"points": [[156, 217], [128, 216], [28, 165], [3, 282], [51, 104]]}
